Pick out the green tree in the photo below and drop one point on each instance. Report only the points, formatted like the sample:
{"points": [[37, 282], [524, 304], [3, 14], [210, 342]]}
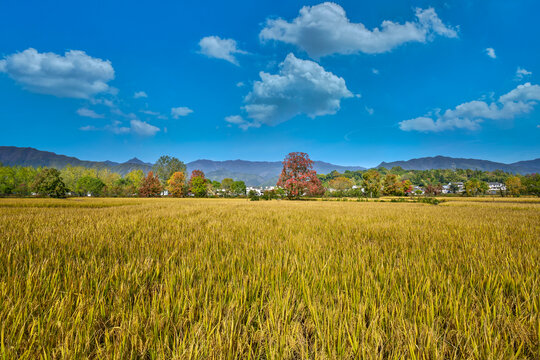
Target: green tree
{"points": [[49, 183], [198, 186], [238, 188], [89, 185], [226, 185], [371, 182], [135, 178], [166, 166], [532, 184]]}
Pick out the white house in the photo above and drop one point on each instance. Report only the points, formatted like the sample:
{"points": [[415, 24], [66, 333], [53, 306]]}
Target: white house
{"points": [[496, 187]]}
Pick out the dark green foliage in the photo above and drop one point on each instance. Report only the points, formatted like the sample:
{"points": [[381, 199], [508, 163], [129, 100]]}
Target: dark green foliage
{"points": [[49, 183], [89, 185], [238, 188]]}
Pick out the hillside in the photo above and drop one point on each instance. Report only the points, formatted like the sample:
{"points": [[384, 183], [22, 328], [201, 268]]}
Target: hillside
{"points": [[443, 162]]}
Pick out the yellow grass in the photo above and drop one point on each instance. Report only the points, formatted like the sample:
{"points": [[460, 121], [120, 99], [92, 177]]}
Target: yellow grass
{"points": [[227, 279]]}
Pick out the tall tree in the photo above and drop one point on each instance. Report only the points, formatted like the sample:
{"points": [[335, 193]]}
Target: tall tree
{"points": [[298, 177], [392, 185], [198, 184], [151, 186], [177, 184], [49, 183], [166, 166], [371, 182], [514, 186]]}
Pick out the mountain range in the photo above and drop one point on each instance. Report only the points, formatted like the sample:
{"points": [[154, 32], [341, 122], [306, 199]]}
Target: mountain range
{"points": [[254, 173]]}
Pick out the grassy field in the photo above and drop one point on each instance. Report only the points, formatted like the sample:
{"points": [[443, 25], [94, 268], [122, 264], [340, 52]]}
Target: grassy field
{"points": [[228, 279]]}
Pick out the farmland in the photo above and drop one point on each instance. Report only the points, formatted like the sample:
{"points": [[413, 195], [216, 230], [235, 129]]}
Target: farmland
{"points": [[229, 278]]}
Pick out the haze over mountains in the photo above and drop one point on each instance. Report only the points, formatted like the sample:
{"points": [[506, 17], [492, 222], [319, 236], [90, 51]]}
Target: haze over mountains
{"points": [[254, 173]]}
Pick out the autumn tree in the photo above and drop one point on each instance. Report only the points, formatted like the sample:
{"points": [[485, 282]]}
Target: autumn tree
{"points": [[176, 185], [475, 187], [150, 186], [298, 177], [406, 187], [514, 186], [49, 183], [341, 183], [371, 182], [392, 185], [433, 190], [166, 166]]}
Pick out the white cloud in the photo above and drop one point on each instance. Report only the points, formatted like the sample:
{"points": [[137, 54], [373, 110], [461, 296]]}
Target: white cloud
{"points": [[143, 128], [140, 94], [241, 122], [89, 113], [180, 111], [470, 115], [369, 110], [149, 112], [491, 53], [324, 29], [105, 102], [87, 128], [375, 71], [522, 73], [300, 87], [75, 74], [123, 114], [216, 47], [240, 84]]}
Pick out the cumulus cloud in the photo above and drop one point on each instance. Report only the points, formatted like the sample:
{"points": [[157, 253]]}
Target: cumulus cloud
{"points": [[140, 94], [143, 128], [300, 87], [522, 73], [89, 113], [470, 115], [75, 74], [324, 29], [216, 47], [491, 53], [180, 111]]}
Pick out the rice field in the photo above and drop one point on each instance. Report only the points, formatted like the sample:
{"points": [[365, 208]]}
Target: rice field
{"points": [[233, 279]]}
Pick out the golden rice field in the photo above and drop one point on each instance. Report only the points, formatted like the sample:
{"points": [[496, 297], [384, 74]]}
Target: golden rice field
{"points": [[233, 279]]}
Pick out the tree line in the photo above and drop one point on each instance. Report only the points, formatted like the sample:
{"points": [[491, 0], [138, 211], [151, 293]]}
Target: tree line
{"points": [[297, 179], [168, 174]]}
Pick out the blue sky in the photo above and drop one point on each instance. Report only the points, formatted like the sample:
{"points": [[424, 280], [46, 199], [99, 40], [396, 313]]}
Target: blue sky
{"points": [[350, 82]]}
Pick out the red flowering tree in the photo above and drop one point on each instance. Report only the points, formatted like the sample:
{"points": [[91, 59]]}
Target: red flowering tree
{"points": [[151, 186], [298, 177]]}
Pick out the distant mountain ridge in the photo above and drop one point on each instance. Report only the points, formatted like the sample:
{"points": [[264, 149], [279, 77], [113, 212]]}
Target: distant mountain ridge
{"points": [[254, 173], [444, 162]]}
